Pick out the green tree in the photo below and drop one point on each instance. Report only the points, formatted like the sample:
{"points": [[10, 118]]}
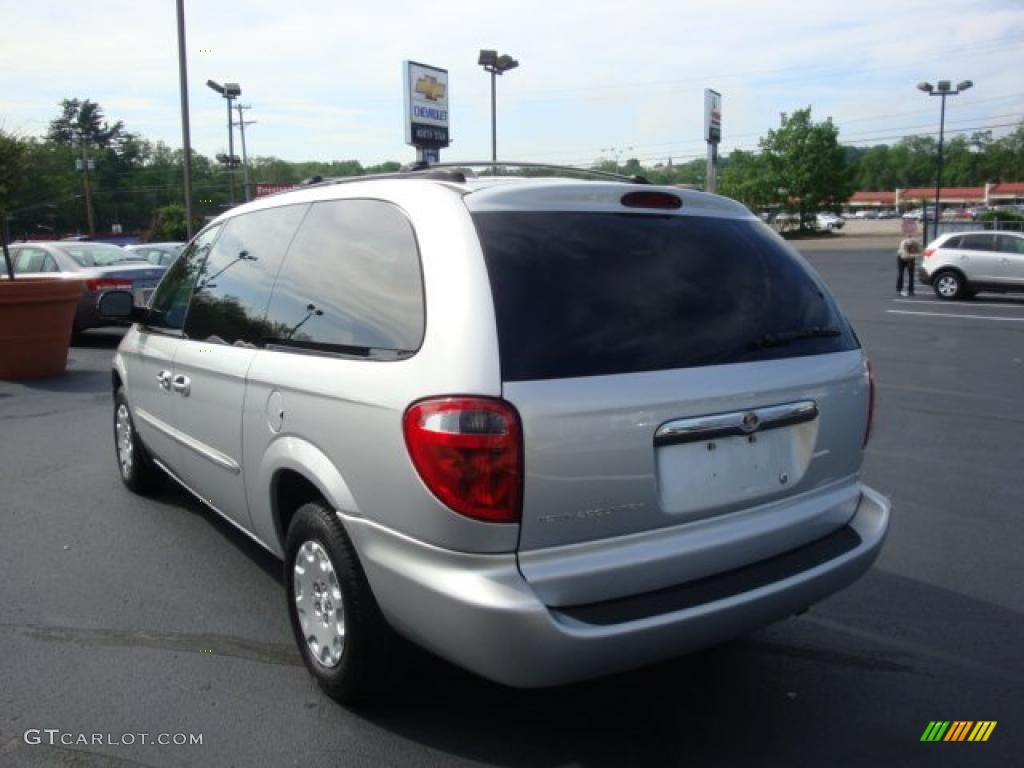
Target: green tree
{"points": [[746, 177], [170, 223], [84, 119], [805, 166]]}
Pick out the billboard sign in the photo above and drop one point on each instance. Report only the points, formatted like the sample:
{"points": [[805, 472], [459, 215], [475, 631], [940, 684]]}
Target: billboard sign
{"points": [[712, 116], [426, 105]]}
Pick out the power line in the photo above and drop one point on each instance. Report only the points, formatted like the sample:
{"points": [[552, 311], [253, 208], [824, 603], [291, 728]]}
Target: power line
{"points": [[753, 148]]}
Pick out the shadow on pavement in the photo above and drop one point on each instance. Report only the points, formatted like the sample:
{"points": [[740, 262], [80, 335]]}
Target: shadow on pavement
{"points": [[805, 692], [81, 381], [175, 495], [99, 338]]}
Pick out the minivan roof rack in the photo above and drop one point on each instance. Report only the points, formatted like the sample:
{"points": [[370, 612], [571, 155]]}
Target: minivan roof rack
{"points": [[454, 176], [423, 166]]}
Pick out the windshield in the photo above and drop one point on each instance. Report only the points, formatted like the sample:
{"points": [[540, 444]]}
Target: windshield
{"points": [[585, 294], [98, 254]]}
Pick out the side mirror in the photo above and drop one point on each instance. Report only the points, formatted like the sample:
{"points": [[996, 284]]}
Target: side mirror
{"points": [[120, 305]]}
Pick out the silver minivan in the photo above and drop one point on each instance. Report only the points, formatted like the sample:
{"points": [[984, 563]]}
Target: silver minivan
{"points": [[545, 428]]}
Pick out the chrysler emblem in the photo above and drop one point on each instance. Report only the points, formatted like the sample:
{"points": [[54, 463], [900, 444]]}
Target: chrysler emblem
{"points": [[750, 422]]}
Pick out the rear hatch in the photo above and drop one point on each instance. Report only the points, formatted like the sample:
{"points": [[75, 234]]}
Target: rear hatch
{"points": [[670, 367]]}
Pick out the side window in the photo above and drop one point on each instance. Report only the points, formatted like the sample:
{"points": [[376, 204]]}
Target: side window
{"points": [[953, 242], [170, 300], [1011, 244], [33, 260], [230, 299], [978, 243], [351, 283]]}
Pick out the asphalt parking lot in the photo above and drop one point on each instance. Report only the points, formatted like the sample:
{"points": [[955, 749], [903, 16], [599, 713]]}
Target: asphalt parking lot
{"points": [[120, 615]]}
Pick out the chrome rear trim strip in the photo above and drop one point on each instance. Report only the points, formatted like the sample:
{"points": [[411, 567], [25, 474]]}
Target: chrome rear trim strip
{"points": [[735, 423]]}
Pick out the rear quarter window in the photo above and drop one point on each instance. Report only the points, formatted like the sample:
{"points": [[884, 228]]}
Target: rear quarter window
{"points": [[351, 283], [585, 294]]}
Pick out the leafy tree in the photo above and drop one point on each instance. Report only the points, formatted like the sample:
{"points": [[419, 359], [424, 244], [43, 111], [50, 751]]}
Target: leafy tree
{"points": [[84, 119], [13, 169], [746, 177], [805, 166], [170, 223]]}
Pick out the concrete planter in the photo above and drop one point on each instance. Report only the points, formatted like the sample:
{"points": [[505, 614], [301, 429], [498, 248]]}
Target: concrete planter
{"points": [[36, 314]]}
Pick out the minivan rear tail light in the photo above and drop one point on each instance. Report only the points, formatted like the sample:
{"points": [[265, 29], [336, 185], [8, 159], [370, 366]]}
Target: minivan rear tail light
{"points": [[468, 451], [871, 406], [107, 284], [928, 252]]}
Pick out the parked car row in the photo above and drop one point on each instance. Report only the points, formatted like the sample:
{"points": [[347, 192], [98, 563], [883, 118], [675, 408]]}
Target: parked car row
{"points": [[824, 220], [104, 267]]}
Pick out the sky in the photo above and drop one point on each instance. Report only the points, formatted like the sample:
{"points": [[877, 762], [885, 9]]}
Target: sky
{"points": [[597, 79]]}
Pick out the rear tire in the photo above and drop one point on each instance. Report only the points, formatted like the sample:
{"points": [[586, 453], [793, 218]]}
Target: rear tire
{"points": [[138, 472], [949, 285], [344, 638]]}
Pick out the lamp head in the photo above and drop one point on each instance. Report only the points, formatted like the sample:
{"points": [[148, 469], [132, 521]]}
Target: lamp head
{"points": [[231, 90], [506, 62], [215, 86], [963, 85], [487, 58]]}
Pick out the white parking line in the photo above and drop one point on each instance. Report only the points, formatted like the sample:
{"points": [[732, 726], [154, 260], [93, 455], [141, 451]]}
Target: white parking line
{"points": [[974, 304], [943, 314]]}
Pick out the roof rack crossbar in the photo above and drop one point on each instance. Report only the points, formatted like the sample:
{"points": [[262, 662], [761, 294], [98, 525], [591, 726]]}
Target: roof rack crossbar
{"points": [[421, 166], [454, 176]]}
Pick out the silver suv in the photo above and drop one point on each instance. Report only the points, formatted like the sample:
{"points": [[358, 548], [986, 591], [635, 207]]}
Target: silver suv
{"points": [[958, 265], [545, 428]]}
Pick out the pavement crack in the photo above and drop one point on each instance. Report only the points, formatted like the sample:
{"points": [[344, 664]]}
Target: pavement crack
{"points": [[834, 658], [284, 654]]}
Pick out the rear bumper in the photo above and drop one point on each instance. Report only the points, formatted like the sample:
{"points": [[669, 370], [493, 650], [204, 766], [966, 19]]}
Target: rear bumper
{"points": [[923, 277], [479, 612]]}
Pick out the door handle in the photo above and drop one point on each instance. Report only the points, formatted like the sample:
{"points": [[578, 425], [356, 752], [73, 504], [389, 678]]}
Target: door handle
{"points": [[182, 384], [164, 379]]}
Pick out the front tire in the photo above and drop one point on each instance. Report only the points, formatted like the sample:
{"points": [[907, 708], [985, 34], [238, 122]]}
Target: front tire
{"points": [[344, 639], [949, 285], [138, 472]]}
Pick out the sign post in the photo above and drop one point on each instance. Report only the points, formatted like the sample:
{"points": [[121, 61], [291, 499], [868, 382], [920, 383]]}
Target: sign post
{"points": [[426, 110], [712, 135]]}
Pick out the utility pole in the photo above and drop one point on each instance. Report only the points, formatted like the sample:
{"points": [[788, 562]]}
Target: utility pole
{"points": [[86, 164], [245, 160]]}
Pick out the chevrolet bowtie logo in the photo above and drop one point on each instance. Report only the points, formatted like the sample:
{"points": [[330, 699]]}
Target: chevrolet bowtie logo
{"points": [[430, 88]]}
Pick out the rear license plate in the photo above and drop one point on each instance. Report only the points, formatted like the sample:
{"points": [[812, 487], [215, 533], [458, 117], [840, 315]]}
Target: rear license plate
{"points": [[698, 476]]}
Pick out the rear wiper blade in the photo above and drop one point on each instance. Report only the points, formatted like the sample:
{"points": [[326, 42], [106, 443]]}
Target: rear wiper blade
{"points": [[782, 339]]}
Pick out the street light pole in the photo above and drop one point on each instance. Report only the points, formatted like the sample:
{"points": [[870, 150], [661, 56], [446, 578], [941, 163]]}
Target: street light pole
{"points": [[494, 118], [185, 137], [942, 89], [496, 65], [229, 91], [231, 152]]}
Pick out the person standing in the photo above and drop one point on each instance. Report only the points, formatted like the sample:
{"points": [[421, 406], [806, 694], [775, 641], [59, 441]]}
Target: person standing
{"points": [[906, 260]]}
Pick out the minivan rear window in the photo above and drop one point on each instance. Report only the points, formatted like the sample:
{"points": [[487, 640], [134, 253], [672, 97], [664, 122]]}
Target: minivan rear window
{"points": [[587, 294]]}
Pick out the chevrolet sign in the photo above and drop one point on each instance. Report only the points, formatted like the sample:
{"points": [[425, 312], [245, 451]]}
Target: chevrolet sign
{"points": [[429, 86], [426, 106]]}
